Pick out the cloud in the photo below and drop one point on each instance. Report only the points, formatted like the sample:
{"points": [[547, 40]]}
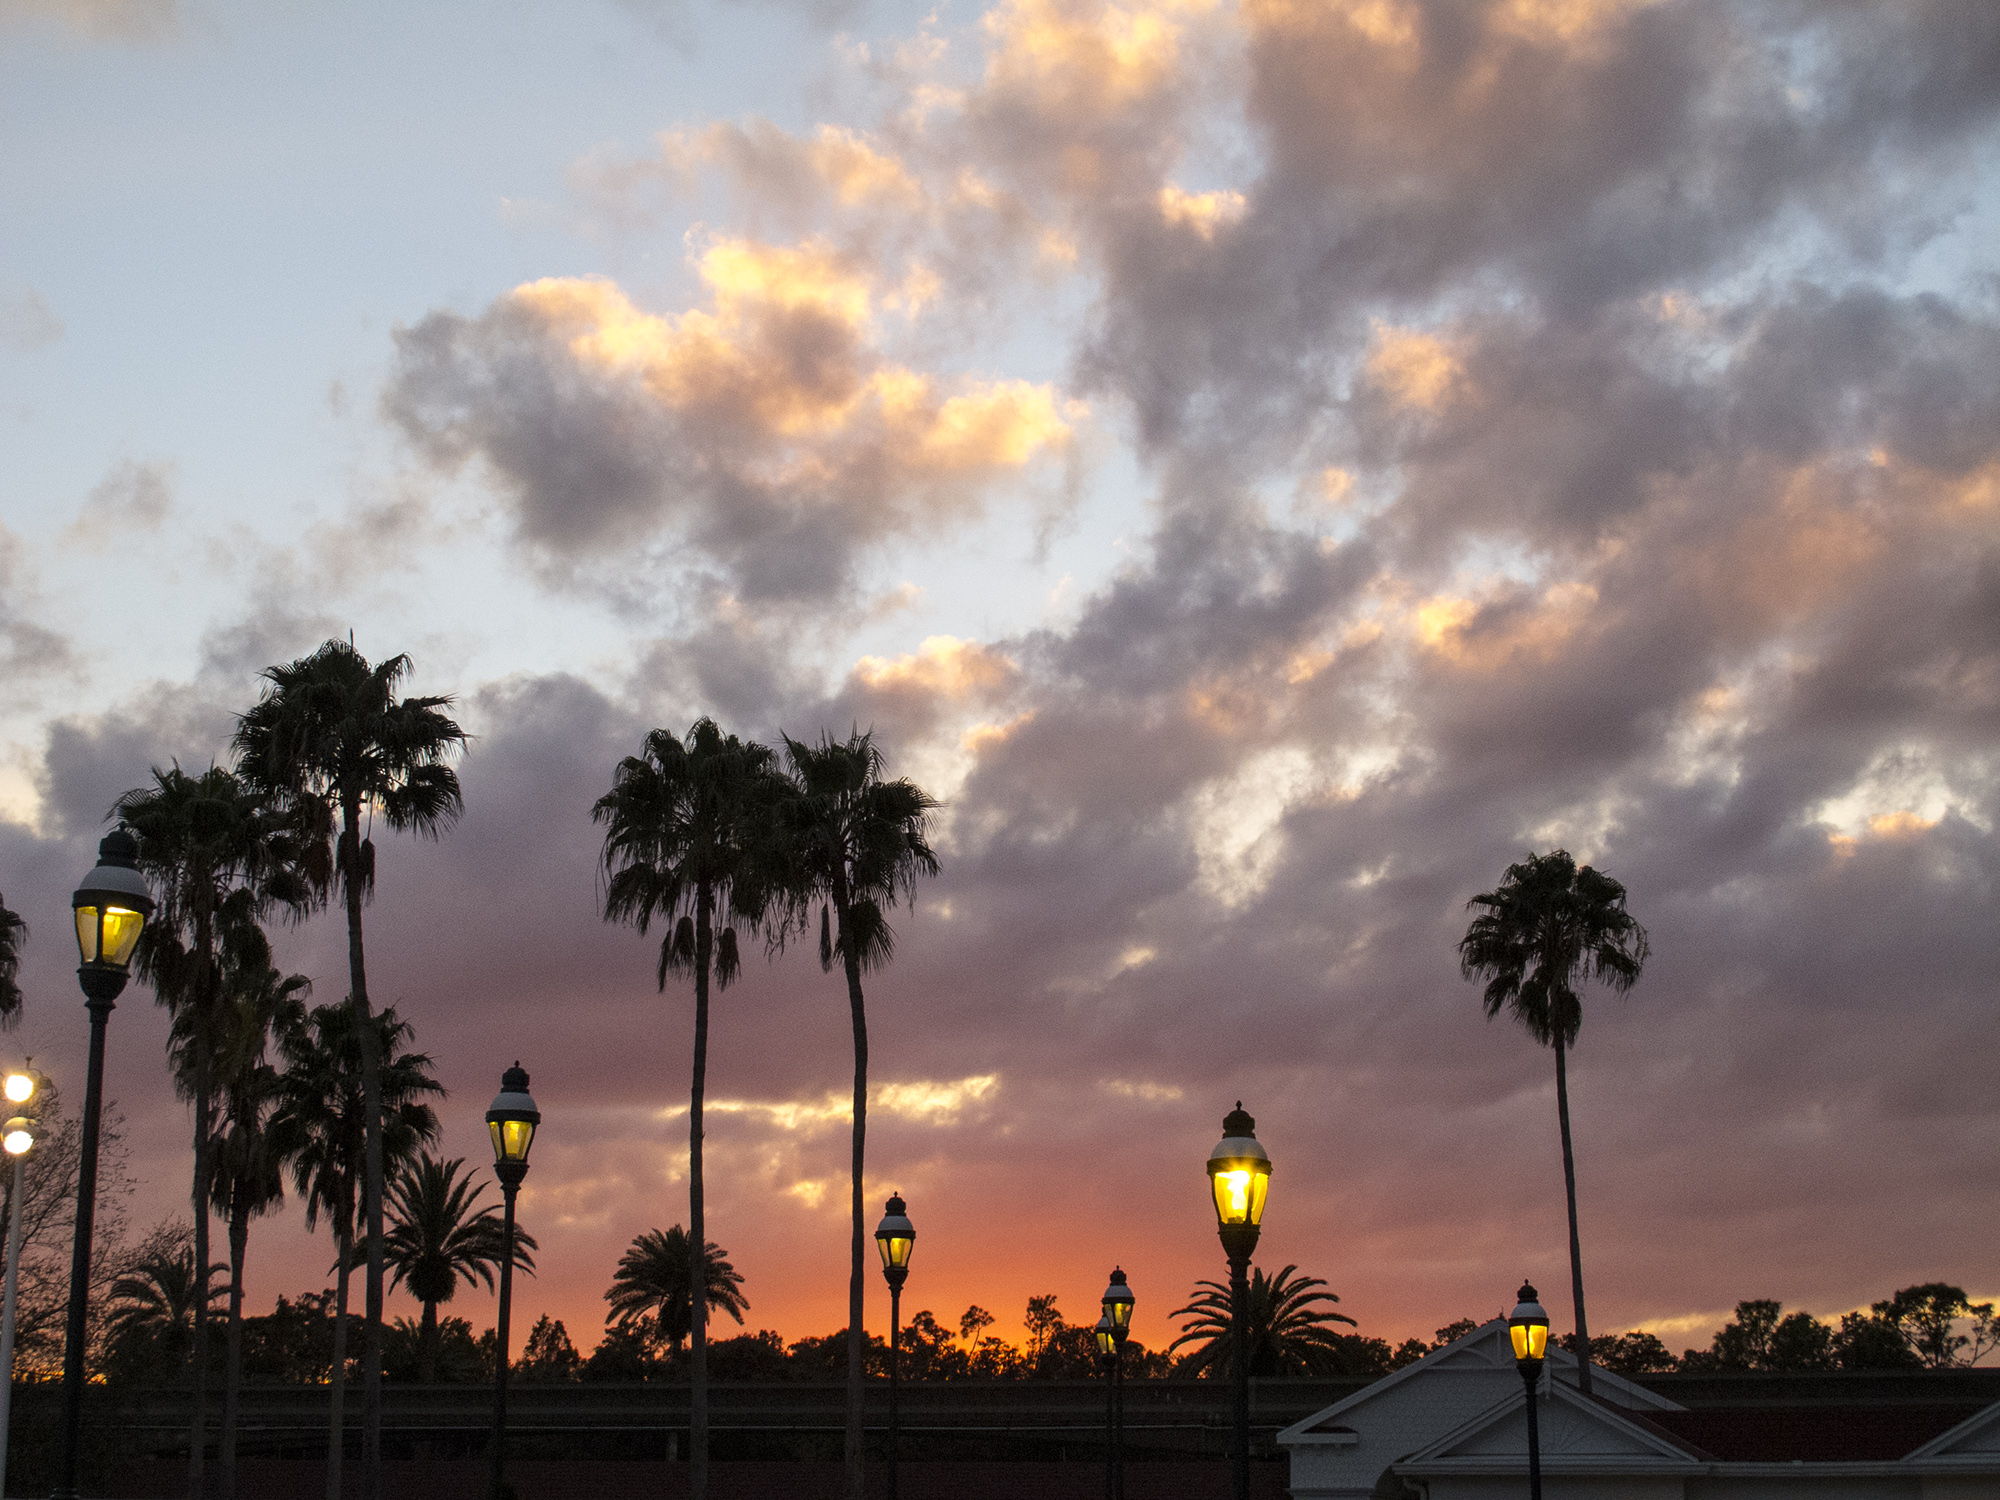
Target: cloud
{"points": [[768, 429], [28, 650], [27, 322], [131, 21], [133, 498]]}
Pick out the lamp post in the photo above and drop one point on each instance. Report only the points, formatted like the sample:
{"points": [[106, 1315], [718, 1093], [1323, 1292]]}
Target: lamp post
{"points": [[22, 1090], [1239, 1173], [1106, 1334], [1113, 1329], [511, 1121], [111, 908], [895, 1237], [1528, 1327]]}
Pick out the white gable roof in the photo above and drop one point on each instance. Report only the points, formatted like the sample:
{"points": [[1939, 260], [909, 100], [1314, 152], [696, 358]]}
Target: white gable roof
{"points": [[1976, 1440], [1578, 1436], [1345, 1447]]}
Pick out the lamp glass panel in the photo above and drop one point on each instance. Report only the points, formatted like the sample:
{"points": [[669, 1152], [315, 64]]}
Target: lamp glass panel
{"points": [[511, 1139], [86, 933], [1239, 1192], [17, 1142], [1531, 1340], [1107, 1340], [896, 1249], [1121, 1312], [20, 1088], [121, 933]]}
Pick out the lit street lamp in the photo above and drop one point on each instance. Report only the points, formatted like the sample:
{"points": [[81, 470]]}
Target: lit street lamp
{"points": [[1113, 1329], [895, 1237], [512, 1121], [1239, 1174], [1528, 1327], [111, 909], [22, 1089]]}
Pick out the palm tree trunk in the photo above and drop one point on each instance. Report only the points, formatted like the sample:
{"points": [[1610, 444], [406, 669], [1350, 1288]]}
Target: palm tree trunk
{"points": [[204, 1110], [371, 1191], [336, 1422], [857, 1263], [1575, 1248], [697, 1218], [232, 1379], [427, 1345]]}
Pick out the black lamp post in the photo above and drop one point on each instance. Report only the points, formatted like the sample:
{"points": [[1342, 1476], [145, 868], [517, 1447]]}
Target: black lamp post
{"points": [[1528, 1326], [895, 1237], [512, 1121], [1239, 1174], [1113, 1329], [111, 908], [1106, 1334]]}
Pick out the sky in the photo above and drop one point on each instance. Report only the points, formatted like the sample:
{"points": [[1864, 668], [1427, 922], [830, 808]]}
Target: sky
{"points": [[1264, 466]]}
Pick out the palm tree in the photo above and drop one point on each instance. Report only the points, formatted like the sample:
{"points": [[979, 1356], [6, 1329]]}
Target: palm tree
{"points": [[440, 1234], [849, 844], [149, 1322], [1287, 1332], [319, 1122], [655, 1276], [1547, 928], [680, 818], [248, 1170], [13, 933], [217, 859], [332, 741]]}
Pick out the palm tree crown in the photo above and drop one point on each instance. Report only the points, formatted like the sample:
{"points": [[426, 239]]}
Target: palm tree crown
{"points": [[1286, 1329], [440, 1235], [679, 820], [331, 738], [13, 933], [150, 1314], [654, 1276], [319, 1106], [1546, 928]]}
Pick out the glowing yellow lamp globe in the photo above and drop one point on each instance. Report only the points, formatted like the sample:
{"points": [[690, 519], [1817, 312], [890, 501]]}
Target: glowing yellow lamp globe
{"points": [[1528, 1327]]}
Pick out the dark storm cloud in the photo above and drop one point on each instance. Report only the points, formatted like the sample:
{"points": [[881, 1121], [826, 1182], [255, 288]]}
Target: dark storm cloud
{"points": [[1450, 159]]}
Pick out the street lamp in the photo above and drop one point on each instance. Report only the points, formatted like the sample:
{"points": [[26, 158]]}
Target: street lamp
{"points": [[1528, 1327], [895, 1237], [23, 1089], [111, 909], [511, 1121], [1239, 1173], [1113, 1329]]}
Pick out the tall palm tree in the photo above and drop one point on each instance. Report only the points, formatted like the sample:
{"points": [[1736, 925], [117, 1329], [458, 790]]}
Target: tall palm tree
{"points": [[249, 1172], [319, 1122], [655, 1276], [441, 1234], [149, 1320], [333, 742], [680, 819], [1286, 1331], [218, 859], [847, 844], [1547, 928], [13, 933]]}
